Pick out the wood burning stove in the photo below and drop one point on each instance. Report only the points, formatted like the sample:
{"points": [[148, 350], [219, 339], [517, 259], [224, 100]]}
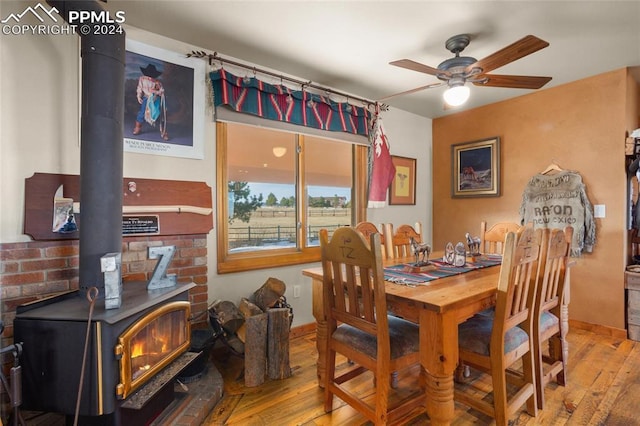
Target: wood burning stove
{"points": [[127, 349]]}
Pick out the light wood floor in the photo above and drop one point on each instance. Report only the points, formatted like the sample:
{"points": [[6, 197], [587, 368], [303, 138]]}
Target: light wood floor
{"points": [[603, 389]]}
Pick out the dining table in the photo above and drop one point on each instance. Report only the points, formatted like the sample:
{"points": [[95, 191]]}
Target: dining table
{"points": [[437, 306]]}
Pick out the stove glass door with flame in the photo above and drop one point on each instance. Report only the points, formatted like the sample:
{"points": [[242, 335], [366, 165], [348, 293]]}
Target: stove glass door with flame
{"points": [[151, 344]]}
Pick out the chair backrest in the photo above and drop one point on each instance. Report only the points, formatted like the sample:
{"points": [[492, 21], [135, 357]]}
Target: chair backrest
{"points": [[353, 282], [492, 239], [368, 228], [634, 241], [398, 242], [516, 285], [556, 249]]}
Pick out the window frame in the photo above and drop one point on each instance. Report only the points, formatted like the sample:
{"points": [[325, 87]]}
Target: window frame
{"points": [[262, 259]]}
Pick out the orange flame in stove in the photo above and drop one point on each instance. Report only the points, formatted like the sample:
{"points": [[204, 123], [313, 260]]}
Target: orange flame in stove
{"points": [[137, 349], [158, 345]]}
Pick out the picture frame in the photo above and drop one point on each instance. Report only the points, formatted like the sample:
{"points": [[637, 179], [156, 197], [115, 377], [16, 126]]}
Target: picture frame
{"points": [[476, 168], [402, 190], [173, 125]]}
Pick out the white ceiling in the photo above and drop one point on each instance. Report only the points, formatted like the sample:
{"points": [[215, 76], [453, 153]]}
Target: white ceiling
{"points": [[347, 45]]}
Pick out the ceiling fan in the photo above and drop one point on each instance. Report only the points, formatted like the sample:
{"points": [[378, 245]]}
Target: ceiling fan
{"points": [[456, 71]]}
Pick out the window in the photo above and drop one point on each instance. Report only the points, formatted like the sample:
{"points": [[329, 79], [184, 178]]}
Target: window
{"points": [[277, 189]]}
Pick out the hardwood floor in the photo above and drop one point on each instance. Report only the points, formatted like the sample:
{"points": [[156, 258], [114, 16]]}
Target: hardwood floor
{"points": [[603, 389]]}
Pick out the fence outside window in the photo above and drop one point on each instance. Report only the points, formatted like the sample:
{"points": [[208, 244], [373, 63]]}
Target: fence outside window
{"points": [[273, 236]]}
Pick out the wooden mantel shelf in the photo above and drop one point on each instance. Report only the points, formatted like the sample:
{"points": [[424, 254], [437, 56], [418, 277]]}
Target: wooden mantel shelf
{"points": [[40, 191]]}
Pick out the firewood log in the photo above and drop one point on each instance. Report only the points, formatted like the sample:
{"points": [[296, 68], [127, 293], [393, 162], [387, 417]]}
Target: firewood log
{"points": [[278, 343], [235, 344], [248, 310], [228, 314], [255, 350], [269, 294]]}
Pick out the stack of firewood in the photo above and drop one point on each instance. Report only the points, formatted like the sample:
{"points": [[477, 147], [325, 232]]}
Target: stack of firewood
{"points": [[259, 328]]}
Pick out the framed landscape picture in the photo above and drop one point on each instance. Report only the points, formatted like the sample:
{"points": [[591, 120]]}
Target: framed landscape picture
{"points": [[476, 168], [403, 187]]}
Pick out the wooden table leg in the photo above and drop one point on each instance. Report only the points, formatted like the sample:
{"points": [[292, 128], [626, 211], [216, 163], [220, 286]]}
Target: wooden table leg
{"points": [[440, 405], [321, 328], [439, 358]]}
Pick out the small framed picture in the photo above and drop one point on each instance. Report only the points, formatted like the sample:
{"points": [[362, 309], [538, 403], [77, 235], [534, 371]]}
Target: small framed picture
{"points": [[403, 187], [476, 168]]}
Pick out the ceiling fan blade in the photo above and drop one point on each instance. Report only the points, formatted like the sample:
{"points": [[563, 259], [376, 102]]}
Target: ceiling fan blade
{"points": [[416, 66], [514, 81], [515, 51], [417, 89]]}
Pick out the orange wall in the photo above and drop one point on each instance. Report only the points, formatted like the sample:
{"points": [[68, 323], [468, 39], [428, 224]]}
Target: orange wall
{"points": [[580, 126]]}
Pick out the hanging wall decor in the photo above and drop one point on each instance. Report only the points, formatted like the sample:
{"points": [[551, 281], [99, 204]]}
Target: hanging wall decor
{"points": [[278, 102], [403, 187], [164, 102], [476, 168]]}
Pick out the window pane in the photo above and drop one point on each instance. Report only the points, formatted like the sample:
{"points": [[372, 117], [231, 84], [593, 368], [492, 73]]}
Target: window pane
{"points": [[328, 176], [261, 175]]}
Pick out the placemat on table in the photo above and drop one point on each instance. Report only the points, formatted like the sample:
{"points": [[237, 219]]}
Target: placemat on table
{"points": [[396, 273]]}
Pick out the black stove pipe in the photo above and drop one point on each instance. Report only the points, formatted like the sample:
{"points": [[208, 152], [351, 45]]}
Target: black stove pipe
{"points": [[101, 136]]}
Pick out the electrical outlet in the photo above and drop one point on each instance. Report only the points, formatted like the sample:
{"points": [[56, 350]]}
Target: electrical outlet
{"points": [[296, 291]]}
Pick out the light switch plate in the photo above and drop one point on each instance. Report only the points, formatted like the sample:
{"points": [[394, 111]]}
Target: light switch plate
{"points": [[599, 210]]}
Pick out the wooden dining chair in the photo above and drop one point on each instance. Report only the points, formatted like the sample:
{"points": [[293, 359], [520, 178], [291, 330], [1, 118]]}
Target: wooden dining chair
{"points": [[550, 310], [398, 241], [492, 239], [493, 344], [368, 228], [491, 242], [359, 328]]}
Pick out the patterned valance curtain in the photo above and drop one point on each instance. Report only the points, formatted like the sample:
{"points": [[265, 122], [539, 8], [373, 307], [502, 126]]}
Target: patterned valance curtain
{"points": [[277, 102]]}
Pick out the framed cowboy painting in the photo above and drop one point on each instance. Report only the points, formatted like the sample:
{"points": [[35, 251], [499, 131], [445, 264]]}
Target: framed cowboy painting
{"points": [[163, 102]]}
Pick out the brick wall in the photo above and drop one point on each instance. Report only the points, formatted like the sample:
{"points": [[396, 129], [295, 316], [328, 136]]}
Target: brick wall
{"points": [[33, 270]]}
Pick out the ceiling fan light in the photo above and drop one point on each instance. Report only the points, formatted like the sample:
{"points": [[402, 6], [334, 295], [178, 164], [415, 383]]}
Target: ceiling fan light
{"points": [[457, 95]]}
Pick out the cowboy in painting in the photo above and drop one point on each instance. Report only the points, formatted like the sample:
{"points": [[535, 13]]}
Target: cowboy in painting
{"points": [[151, 97]]}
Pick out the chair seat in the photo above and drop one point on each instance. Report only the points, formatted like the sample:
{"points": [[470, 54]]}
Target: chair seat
{"points": [[404, 337], [548, 321], [474, 335], [489, 312]]}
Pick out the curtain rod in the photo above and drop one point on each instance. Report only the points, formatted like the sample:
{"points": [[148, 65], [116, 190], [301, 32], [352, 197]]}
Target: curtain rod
{"points": [[216, 57]]}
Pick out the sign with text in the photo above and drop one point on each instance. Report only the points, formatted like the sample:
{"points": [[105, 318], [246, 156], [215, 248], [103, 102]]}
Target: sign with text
{"points": [[140, 225]]}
